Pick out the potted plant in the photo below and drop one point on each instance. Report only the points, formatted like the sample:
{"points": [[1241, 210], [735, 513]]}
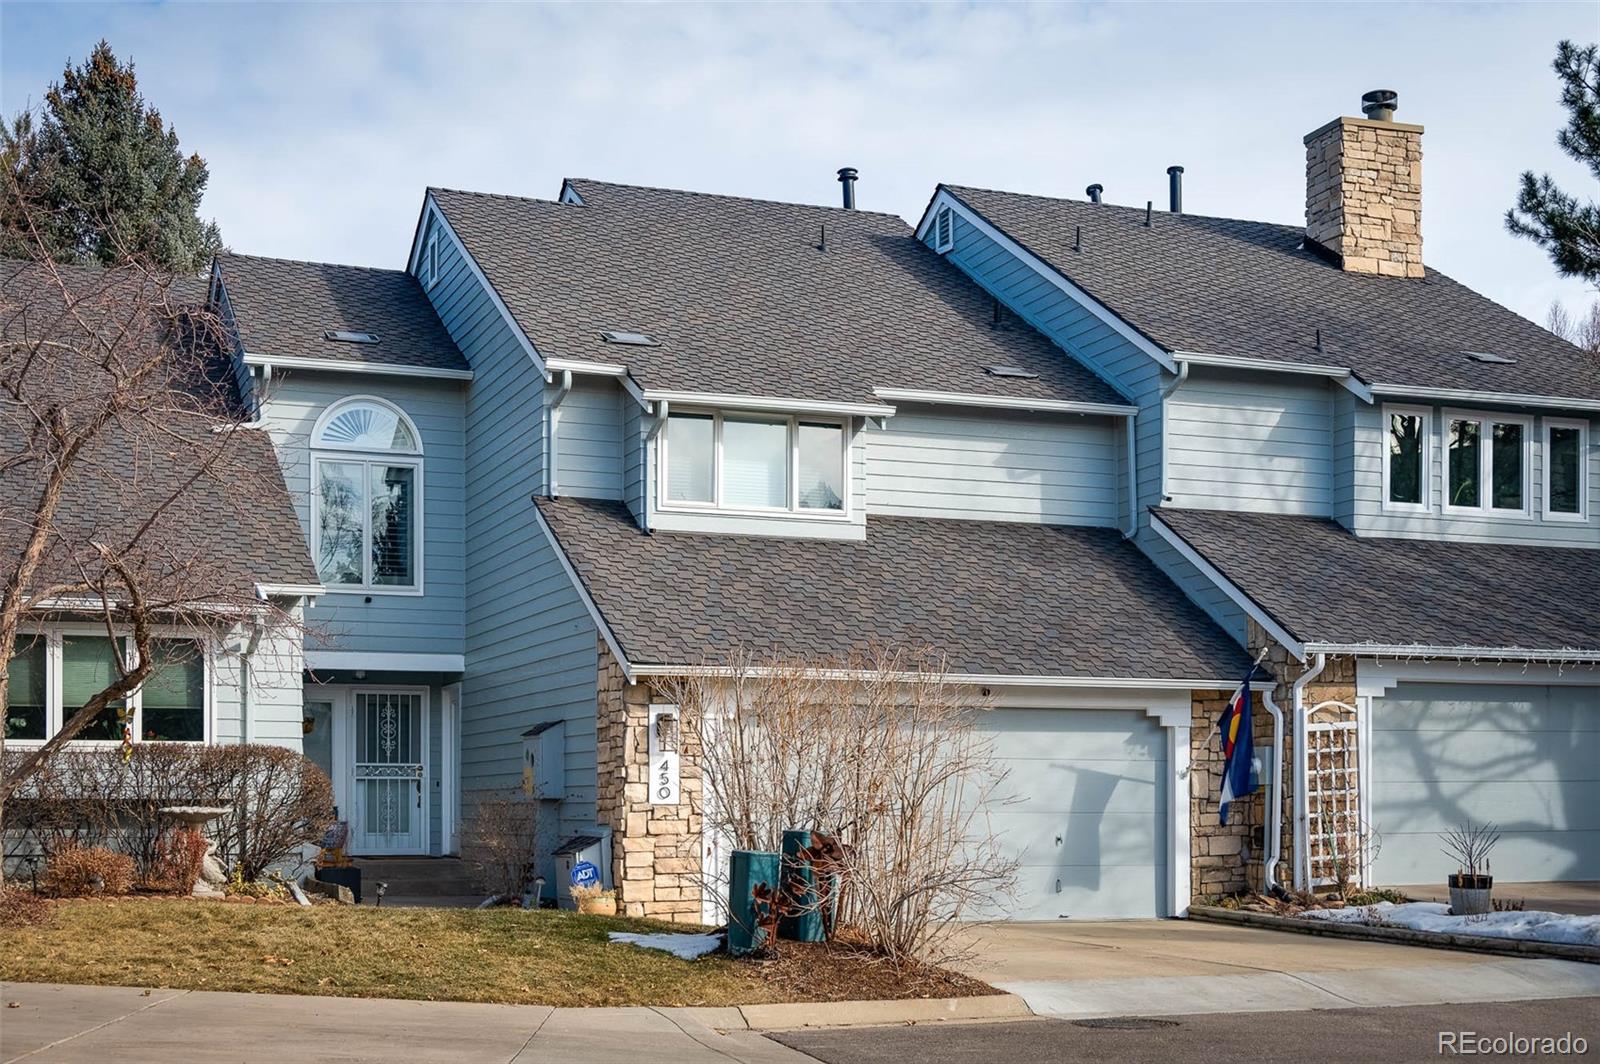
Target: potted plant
{"points": [[1470, 886], [594, 901]]}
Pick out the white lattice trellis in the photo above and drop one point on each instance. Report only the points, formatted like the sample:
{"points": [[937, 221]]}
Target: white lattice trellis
{"points": [[1333, 795]]}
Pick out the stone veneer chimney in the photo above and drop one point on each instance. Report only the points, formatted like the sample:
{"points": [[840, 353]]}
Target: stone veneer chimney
{"points": [[1364, 190]]}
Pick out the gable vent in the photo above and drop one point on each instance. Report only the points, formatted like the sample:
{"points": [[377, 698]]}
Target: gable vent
{"points": [[631, 339], [944, 230], [347, 336], [1011, 371]]}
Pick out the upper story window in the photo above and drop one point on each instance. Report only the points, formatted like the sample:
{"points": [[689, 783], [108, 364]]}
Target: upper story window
{"points": [[1566, 470], [1487, 463], [367, 498], [1405, 467], [754, 463], [52, 677]]}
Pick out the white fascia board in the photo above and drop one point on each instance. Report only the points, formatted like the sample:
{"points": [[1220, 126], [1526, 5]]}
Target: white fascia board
{"points": [[1471, 398], [1003, 402], [432, 211], [628, 671], [291, 590], [1376, 677], [382, 369], [1229, 588], [1046, 271], [1343, 375], [965, 679], [599, 369], [1524, 655], [777, 404], [331, 660]]}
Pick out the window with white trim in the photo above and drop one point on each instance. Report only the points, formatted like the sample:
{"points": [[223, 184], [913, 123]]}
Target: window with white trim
{"points": [[1487, 464], [754, 463], [944, 230], [367, 498], [1566, 470], [53, 677], [1405, 458]]}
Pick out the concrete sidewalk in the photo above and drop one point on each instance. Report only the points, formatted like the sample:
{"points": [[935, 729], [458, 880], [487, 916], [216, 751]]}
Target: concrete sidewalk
{"points": [[1186, 967], [96, 1024]]}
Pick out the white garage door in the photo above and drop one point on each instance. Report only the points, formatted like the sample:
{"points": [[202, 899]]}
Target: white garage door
{"points": [[1526, 758], [1084, 812]]}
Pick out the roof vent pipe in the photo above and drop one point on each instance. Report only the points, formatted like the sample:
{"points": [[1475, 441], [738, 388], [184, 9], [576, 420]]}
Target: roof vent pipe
{"points": [[1379, 105], [1175, 188], [847, 178], [1094, 192]]}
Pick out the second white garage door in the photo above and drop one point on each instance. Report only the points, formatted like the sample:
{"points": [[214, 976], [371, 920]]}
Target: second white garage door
{"points": [[1086, 817]]}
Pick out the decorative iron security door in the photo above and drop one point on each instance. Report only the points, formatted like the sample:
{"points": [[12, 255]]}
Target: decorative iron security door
{"points": [[389, 773]]}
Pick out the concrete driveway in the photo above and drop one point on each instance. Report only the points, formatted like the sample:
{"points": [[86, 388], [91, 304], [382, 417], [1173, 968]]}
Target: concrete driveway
{"points": [[1184, 967], [1578, 899]]}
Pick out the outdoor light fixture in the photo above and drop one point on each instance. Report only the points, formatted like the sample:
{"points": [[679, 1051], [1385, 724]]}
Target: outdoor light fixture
{"points": [[383, 888]]}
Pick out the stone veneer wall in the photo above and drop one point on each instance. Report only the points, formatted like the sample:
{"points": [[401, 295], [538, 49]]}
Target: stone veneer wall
{"points": [[1223, 858], [655, 849], [1364, 194]]}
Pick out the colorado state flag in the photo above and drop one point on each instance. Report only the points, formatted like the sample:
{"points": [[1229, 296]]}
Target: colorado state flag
{"points": [[1238, 747]]}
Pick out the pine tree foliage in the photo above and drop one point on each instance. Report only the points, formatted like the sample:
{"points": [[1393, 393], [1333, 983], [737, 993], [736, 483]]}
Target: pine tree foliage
{"points": [[104, 176], [1554, 219]]}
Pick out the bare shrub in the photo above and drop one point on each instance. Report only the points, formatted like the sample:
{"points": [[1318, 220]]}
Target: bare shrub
{"points": [[77, 871], [884, 752], [1469, 845], [180, 857], [500, 842], [278, 801], [21, 907]]}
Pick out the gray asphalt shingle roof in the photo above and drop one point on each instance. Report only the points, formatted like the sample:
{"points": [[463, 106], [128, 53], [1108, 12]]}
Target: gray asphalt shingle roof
{"points": [[1325, 585], [1220, 286], [283, 307], [999, 598], [743, 301]]}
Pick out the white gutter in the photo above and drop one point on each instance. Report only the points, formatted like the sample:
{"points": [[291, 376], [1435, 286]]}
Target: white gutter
{"points": [[1302, 808], [1342, 375], [1457, 395], [552, 463], [1274, 847], [263, 591], [965, 679], [774, 403], [597, 369], [382, 369], [1513, 654], [1003, 402], [1133, 481]]}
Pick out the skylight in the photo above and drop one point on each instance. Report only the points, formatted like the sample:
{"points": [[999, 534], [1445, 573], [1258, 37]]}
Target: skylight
{"points": [[347, 336], [1011, 371], [1491, 357], [632, 339]]}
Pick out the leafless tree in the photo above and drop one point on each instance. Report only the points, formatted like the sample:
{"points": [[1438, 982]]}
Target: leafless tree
{"points": [[1581, 331], [130, 495]]}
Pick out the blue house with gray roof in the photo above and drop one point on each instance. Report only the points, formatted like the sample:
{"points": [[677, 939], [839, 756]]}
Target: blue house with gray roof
{"points": [[1102, 458]]}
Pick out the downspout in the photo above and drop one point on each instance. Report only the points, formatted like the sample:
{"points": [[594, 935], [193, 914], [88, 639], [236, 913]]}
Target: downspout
{"points": [[244, 680], [662, 410], [555, 435], [1302, 808], [1274, 847], [1133, 479], [1166, 393]]}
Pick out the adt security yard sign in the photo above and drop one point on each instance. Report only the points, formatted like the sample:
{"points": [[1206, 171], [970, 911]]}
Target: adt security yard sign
{"points": [[585, 874]]}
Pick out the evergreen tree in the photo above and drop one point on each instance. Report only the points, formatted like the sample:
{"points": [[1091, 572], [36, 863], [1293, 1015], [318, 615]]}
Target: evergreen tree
{"points": [[1556, 220], [104, 176]]}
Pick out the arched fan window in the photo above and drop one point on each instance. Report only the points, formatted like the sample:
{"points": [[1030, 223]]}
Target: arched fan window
{"points": [[367, 497]]}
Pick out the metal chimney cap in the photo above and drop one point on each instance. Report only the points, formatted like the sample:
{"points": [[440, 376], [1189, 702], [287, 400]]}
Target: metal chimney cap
{"points": [[1174, 169], [1094, 192], [1380, 104], [848, 173]]}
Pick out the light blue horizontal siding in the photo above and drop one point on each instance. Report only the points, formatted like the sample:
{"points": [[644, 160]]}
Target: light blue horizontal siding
{"points": [[589, 451], [274, 710], [343, 620], [993, 466], [530, 643], [1369, 518], [634, 453], [1259, 442]]}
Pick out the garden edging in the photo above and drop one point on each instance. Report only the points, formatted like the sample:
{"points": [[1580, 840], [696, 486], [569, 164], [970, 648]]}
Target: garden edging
{"points": [[1402, 935]]}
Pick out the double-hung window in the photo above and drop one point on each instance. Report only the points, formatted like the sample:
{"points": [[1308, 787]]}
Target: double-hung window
{"points": [[1408, 430], [1566, 470], [367, 498], [1487, 464], [761, 463], [53, 677]]}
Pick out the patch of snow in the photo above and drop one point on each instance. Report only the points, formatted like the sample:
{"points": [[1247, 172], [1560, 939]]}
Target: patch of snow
{"points": [[1436, 917], [689, 947]]}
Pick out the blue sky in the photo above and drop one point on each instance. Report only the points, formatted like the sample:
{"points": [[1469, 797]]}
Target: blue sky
{"points": [[322, 124]]}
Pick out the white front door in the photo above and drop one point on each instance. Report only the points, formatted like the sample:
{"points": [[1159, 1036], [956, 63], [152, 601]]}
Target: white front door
{"points": [[388, 776]]}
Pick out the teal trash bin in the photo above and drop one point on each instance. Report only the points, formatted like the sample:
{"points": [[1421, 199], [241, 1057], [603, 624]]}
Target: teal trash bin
{"points": [[752, 900], [802, 920]]}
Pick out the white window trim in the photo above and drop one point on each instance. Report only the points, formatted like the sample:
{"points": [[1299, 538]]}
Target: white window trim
{"points": [[942, 216], [335, 452], [55, 712], [793, 510], [1426, 414], [1583, 469], [1485, 509]]}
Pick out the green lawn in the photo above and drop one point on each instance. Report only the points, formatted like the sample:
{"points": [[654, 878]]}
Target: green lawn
{"points": [[499, 955]]}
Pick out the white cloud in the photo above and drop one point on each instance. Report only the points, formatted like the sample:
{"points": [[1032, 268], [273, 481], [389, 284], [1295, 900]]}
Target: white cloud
{"points": [[322, 124]]}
